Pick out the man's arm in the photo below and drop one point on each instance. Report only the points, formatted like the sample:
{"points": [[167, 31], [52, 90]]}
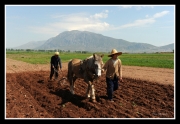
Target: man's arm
{"points": [[52, 65], [120, 70], [105, 65]]}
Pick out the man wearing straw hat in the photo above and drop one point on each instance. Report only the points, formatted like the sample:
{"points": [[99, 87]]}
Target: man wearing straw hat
{"points": [[113, 68], [55, 65]]}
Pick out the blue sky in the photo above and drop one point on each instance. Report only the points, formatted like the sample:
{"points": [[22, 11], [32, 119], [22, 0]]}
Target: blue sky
{"points": [[152, 24]]}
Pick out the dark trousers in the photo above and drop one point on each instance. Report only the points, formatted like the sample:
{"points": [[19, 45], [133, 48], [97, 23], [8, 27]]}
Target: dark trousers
{"points": [[112, 85], [53, 72]]}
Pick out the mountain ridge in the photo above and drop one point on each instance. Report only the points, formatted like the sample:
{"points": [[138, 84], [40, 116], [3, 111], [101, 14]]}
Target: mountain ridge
{"points": [[88, 41]]}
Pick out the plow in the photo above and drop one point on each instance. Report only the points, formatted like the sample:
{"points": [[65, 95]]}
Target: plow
{"points": [[62, 80]]}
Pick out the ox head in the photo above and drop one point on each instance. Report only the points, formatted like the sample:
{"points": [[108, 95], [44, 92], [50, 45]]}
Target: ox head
{"points": [[98, 64]]}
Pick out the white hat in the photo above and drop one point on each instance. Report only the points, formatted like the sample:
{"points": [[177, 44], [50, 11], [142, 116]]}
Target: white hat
{"points": [[114, 51], [56, 53]]}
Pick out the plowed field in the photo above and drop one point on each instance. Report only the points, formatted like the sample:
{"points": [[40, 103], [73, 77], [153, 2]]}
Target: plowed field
{"points": [[145, 93]]}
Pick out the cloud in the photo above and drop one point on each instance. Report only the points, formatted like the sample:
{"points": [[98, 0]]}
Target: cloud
{"points": [[100, 15], [147, 16], [137, 7], [140, 22], [126, 6], [78, 21], [157, 15], [83, 21], [145, 22]]}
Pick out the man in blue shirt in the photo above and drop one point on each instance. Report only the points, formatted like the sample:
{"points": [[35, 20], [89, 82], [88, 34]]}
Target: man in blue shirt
{"points": [[55, 65]]}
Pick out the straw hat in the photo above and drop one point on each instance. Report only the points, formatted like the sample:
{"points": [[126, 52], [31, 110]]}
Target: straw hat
{"points": [[114, 51], [56, 53]]}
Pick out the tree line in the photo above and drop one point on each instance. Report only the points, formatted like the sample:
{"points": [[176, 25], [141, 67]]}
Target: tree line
{"points": [[55, 50]]}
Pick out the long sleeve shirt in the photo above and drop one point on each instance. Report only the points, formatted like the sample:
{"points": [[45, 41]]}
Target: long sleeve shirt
{"points": [[55, 61], [112, 68]]}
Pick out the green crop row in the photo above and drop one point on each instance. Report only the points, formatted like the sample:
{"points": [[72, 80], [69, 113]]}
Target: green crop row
{"points": [[159, 60]]}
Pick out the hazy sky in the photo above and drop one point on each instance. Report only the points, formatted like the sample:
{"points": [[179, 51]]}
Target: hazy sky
{"points": [[153, 24]]}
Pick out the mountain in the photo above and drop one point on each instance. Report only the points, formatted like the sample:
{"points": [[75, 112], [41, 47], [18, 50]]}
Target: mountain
{"points": [[30, 45], [87, 41]]}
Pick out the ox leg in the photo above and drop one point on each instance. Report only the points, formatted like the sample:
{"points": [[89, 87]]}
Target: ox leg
{"points": [[74, 79], [93, 97], [88, 91], [91, 91], [72, 86]]}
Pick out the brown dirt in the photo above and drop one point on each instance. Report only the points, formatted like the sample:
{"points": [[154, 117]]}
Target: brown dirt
{"points": [[145, 93]]}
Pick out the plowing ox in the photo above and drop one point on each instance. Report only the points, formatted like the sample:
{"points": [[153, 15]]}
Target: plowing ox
{"points": [[88, 69]]}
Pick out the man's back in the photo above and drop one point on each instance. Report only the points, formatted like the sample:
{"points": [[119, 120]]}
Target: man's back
{"points": [[55, 60]]}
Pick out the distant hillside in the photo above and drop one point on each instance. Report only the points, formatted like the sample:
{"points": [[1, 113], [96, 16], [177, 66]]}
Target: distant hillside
{"points": [[168, 47], [87, 41], [30, 45]]}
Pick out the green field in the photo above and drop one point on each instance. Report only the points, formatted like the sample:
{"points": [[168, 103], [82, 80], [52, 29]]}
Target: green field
{"points": [[160, 60]]}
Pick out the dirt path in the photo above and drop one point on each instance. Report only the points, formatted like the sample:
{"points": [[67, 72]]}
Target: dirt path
{"points": [[161, 75], [145, 93]]}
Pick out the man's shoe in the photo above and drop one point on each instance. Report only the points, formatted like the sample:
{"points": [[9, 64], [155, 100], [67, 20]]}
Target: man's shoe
{"points": [[111, 100]]}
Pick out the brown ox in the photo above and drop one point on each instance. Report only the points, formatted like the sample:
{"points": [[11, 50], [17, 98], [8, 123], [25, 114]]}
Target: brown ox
{"points": [[88, 69]]}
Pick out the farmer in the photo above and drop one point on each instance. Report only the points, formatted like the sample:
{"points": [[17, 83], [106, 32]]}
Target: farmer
{"points": [[55, 65], [113, 68]]}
